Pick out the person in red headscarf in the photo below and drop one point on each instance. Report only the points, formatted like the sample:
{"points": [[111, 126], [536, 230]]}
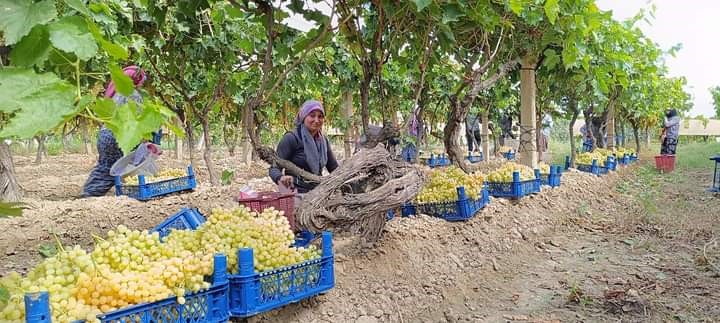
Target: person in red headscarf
{"points": [[100, 181]]}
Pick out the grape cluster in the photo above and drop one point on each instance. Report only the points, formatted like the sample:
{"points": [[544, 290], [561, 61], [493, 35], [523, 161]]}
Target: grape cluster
{"points": [[163, 175], [620, 151], [544, 168], [442, 185], [586, 158], [133, 267], [504, 174]]}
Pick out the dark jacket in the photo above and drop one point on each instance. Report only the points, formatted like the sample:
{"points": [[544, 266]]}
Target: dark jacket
{"points": [[291, 149]]}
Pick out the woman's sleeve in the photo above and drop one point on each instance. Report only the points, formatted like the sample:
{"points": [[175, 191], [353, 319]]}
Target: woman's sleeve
{"points": [[332, 163], [284, 150], [671, 122]]}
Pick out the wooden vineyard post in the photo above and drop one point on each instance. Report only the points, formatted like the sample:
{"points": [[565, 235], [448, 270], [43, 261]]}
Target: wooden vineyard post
{"points": [[527, 149]]}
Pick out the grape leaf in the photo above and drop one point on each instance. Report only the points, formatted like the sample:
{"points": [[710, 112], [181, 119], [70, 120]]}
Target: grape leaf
{"points": [[79, 5], [114, 50], [551, 10], [421, 4], [10, 209], [123, 83], [20, 16], [517, 6], [71, 34], [32, 49], [130, 127], [39, 101], [227, 177], [47, 250]]}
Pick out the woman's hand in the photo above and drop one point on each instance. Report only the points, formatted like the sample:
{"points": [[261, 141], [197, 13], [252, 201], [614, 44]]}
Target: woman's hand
{"points": [[287, 181]]}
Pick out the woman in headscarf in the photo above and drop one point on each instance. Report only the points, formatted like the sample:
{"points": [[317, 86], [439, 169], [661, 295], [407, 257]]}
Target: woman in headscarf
{"points": [[100, 181], [670, 132], [306, 147]]}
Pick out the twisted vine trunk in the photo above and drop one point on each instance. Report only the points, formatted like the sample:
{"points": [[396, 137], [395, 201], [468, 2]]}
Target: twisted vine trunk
{"points": [[41, 150], [10, 190], [357, 195]]}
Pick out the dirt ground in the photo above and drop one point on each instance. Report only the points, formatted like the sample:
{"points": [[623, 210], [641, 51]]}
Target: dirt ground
{"points": [[633, 246]]}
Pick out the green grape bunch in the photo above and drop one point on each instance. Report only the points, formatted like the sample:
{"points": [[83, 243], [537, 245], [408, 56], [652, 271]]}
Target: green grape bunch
{"points": [[442, 185], [133, 267], [504, 174]]}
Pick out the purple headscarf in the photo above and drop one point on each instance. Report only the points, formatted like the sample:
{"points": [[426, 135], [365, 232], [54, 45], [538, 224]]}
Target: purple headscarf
{"points": [[134, 72], [308, 107]]}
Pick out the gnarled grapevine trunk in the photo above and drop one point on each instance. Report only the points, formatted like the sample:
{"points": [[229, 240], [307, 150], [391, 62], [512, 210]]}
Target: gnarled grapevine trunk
{"points": [[10, 190], [357, 195]]}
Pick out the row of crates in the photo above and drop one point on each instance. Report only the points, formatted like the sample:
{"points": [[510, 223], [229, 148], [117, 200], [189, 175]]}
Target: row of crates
{"points": [[245, 294]]}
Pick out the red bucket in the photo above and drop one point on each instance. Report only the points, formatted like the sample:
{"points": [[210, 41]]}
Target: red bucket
{"points": [[280, 201], [665, 163]]}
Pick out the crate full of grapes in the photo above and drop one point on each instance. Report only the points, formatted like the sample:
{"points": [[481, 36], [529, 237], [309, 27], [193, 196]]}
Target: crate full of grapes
{"points": [[551, 175], [450, 194], [514, 181], [462, 209], [207, 305], [165, 182], [185, 219], [254, 291]]}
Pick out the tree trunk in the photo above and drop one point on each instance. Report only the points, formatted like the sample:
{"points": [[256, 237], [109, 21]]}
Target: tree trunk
{"points": [[10, 190], [636, 134], [64, 139], [190, 140], [573, 107], [528, 149], [230, 138], [85, 134], [41, 150], [207, 151], [647, 137], [485, 135], [611, 124], [347, 112], [365, 97]]}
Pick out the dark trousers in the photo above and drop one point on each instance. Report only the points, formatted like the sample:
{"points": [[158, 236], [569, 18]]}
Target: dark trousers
{"points": [[476, 136], [669, 146]]}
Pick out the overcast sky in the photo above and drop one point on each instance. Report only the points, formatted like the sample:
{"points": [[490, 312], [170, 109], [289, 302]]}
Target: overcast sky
{"points": [[693, 23]]}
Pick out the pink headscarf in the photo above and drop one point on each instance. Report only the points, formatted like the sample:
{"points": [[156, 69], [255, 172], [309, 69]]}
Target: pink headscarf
{"points": [[134, 72]]}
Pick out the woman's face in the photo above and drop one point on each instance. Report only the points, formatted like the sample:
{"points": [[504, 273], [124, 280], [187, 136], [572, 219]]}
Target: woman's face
{"points": [[314, 121]]}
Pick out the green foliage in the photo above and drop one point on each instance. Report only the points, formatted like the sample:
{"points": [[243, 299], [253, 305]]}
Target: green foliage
{"points": [[227, 177], [20, 16], [47, 250], [11, 209], [37, 101], [715, 93], [72, 35]]}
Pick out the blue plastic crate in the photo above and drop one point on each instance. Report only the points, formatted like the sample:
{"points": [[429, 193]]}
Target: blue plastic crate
{"points": [[633, 158], [145, 191], [624, 160], [716, 176], [211, 305], [594, 168], [252, 293], [187, 218], [553, 178], [461, 210], [475, 159], [510, 155], [438, 161], [517, 188]]}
